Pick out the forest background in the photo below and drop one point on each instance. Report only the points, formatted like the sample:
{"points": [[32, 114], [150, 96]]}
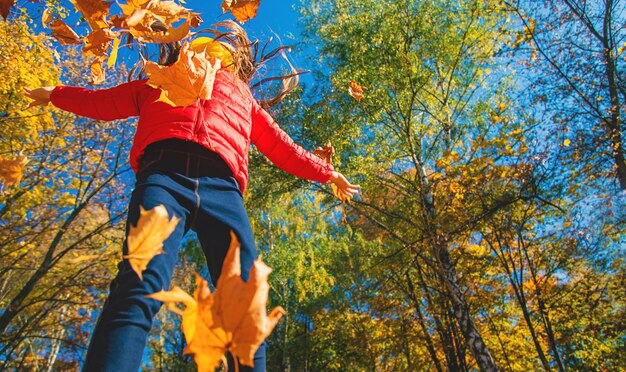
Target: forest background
{"points": [[489, 233]]}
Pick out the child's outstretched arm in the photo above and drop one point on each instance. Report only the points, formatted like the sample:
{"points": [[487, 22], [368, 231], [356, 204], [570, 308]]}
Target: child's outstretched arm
{"points": [[274, 143], [119, 102]]}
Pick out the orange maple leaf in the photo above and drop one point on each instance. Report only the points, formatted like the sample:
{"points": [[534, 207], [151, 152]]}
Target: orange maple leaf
{"points": [[95, 12], [152, 20], [233, 318], [145, 240], [355, 90], [97, 43], [12, 170], [190, 78], [242, 10]]}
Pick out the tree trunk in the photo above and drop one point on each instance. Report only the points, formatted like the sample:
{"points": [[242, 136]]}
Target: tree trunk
{"points": [[448, 274]]}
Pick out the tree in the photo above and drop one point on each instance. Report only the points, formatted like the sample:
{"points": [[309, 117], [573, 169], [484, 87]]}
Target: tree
{"points": [[61, 230], [576, 46], [424, 67]]}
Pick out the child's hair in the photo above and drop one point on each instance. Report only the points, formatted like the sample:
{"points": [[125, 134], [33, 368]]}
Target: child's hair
{"points": [[248, 58]]}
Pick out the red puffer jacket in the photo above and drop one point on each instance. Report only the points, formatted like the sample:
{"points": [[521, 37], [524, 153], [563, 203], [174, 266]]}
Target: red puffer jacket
{"points": [[226, 124]]}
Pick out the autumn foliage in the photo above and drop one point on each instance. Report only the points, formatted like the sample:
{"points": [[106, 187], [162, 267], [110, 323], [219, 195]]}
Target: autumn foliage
{"points": [[487, 134]]}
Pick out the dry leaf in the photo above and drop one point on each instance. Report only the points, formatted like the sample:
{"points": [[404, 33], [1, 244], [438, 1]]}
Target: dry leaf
{"points": [[161, 37], [113, 56], [233, 318], [5, 7], [97, 71], [355, 90], [146, 239], [95, 12], [63, 33], [240, 307], [152, 20], [12, 170], [187, 80], [325, 153], [46, 17], [97, 43], [242, 10]]}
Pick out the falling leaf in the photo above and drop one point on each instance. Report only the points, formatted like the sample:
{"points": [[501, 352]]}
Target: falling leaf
{"points": [[12, 170], [5, 7], [161, 37], [145, 240], [152, 20], [97, 43], [95, 12], [97, 71], [213, 48], [355, 90], [242, 10], [46, 17], [113, 56], [233, 318], [190, 78], [325, 153], [63, 33], [567, 142]]}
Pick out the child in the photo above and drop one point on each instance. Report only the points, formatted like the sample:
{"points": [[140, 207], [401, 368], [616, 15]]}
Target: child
{"points": [[194, 161]]}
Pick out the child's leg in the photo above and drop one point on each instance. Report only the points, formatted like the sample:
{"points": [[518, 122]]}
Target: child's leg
{"points": [[118, 341], [222, 209]]}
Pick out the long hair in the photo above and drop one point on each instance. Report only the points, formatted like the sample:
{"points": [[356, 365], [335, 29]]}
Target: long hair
{"points": [[249, 59]]}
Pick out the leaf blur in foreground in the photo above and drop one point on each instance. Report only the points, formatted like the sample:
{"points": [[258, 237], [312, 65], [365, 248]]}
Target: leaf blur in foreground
{"points": [[326, 153], [146, 239], [233, 318], [242, 10], [190, 78], [11, 170], [5, 7], [355, 90]]}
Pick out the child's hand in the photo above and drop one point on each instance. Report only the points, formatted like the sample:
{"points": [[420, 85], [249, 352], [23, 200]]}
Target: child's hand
{"points": [[40, 96], [345, 189]]}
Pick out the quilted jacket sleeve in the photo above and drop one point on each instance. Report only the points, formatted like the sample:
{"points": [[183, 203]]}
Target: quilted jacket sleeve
{"points": [[274, 143], [119, 102]]}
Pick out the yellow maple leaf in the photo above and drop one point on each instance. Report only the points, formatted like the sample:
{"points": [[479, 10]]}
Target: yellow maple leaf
{"points": [[187, 80], [12, 170], [145, 240], [233, 318], [242, 10], [567, 142]]}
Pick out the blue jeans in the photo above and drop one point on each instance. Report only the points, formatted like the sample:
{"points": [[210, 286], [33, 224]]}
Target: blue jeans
{"points": [[200, 190]]}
